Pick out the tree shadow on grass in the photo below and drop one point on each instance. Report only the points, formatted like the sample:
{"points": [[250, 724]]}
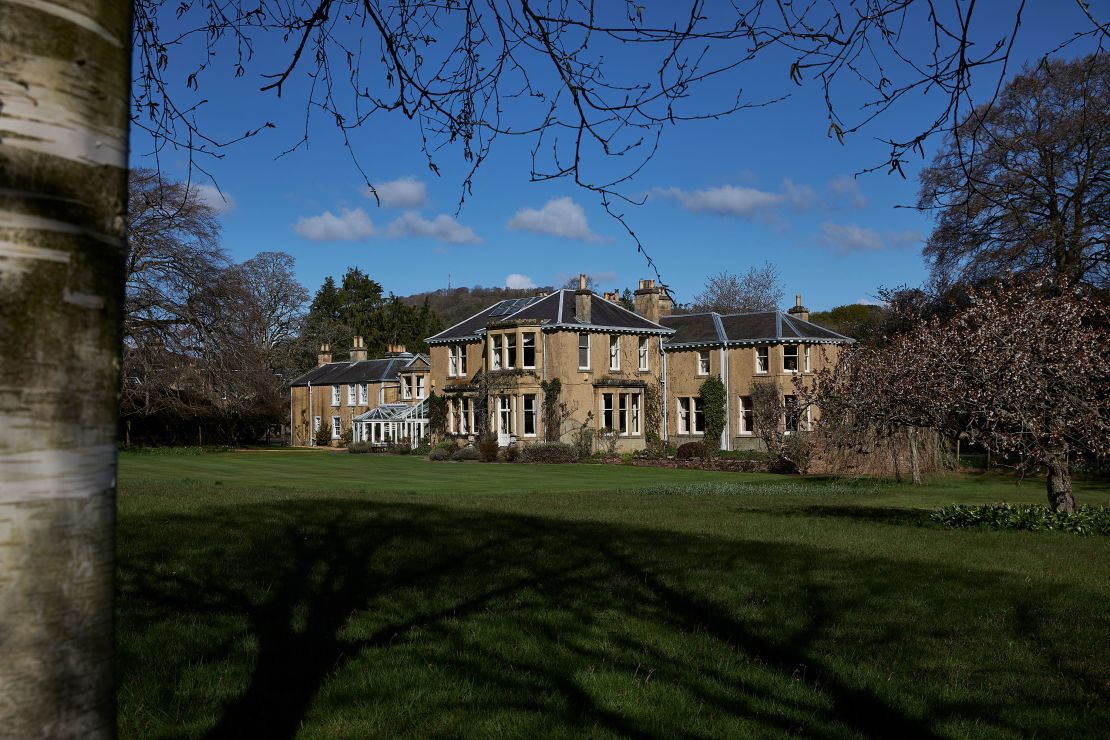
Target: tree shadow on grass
{"points": [[350, 617]]}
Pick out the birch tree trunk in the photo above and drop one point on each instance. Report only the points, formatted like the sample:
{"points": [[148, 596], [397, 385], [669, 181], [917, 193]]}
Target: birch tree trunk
{"points": [[64, 85]]}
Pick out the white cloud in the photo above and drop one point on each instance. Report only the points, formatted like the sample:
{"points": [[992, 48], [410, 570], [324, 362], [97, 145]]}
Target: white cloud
{"points": [[211, 196], [516, 280], [845, 192], [801, 197], [904, 238], [349, 225], [850, 238], [725, 200], [404, 192], [442, 228], [558, 217]]}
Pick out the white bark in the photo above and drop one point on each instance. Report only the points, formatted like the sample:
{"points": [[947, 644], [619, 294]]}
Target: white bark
{"points": [[64, 83]]}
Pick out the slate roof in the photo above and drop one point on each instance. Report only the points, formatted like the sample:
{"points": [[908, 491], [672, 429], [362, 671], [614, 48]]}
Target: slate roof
{"points": [[763, 327], [367, 371], [553, 311]]}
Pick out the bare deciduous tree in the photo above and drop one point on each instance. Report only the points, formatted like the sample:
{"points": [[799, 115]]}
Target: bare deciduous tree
{"points": [[1022, 370], [1023, 184], [758, 289]]}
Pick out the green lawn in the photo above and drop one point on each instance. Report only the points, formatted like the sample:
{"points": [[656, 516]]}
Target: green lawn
{"points": [[268, 594]]}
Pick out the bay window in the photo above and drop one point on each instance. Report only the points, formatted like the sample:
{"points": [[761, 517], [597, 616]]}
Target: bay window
{"points": [[497, 341], [607, 411], [510, 350], [528, 409], [505, 414]]}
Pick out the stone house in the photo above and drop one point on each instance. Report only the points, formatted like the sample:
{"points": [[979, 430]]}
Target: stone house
{"points": [[611, 363], [491, 366], [341, 396]]}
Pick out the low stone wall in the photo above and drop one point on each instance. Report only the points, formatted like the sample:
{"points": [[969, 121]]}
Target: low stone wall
{"points": [[729, 466]]}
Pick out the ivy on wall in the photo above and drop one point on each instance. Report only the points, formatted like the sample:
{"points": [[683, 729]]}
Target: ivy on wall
{"points": [[712, 393]]}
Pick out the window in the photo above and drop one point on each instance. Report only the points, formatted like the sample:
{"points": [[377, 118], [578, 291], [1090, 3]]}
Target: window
{"points": [[495, 352], [607, 411], [643, 351], [622, 414], [761, 359], [790, 358], [703, 362], [363, 394], [583, 351], [406, 391], [634, 424], [505, 415], [805, 351], [747, 415], [528, 349], [510, 350], [460, 351], [419, 386], [793, 413], [614, 352], [466, 416], [315, 424], [335, 396], [351, 394], [452, 362], [529, 412], [336, 427], [690, 416]]}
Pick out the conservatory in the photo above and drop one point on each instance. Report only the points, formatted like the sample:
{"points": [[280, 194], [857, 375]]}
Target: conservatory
{"points": [[392, 423]]}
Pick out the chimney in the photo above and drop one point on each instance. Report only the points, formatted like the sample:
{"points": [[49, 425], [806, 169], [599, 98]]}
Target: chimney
{"points": [[582, 298], [395, 349], [325, 354], [799, 310], [652, 301], [358, 350]]}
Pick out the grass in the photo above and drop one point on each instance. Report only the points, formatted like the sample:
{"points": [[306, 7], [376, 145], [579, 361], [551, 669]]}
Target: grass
{"points": [[274, 594]]}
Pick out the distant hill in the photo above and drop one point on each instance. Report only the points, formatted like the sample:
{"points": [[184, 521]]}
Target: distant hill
{"points": [[454, 305]]}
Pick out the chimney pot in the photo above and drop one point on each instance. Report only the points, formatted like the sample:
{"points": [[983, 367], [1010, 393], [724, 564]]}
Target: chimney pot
{"points": [[581, 281]]}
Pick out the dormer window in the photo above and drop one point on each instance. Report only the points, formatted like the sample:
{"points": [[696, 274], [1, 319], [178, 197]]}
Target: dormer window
{"points": [[790, 358]]}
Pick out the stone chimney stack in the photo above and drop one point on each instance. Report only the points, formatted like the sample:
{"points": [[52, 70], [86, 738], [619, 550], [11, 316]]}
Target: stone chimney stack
{"points": [[582, 300], [652, 301], [799, 310], [325, 354], [393, 350], [358, 350]]}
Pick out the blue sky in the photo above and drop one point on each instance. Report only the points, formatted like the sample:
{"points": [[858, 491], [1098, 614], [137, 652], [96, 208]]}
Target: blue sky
{"points": [[762, 185]]}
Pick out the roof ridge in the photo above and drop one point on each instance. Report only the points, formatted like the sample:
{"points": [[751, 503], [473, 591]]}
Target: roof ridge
{"points": [[561, 291]]}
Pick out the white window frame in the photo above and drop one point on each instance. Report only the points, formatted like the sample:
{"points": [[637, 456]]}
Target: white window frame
{"points": [[682, 415], [352, 394], [614, 352], [587, 348], [461, 349], [623, 404], [420, 386], [406, 391], [643, 352], [608, 407], [634, 412], [528, 411], [785, 369], [786, 414], [746, 422], [466, 415], [703, 362], [316, 422], [805, 351], [762, 360], [504, 415], [452, 362], [510, 351], [336, 396], [363, 394], [336, 427], [524, 345], [688, 416], [497, 343]]}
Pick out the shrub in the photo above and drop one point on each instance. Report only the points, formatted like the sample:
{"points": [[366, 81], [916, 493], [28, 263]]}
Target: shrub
{"points": [[447, 445], [438, 455], [509, 454], [583, 439], [549, 452], [347, 437], [1086, 520], [691, 450], [422, 450], [361, 448], [752, 455], [470, 452], [487, 449], [323, 436], [607, 442]]}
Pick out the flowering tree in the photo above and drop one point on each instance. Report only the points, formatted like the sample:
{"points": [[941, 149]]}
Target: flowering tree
{"points": [[1022, 370]]}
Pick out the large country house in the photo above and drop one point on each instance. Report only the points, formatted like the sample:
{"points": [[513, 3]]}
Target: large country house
{"points": [[611, 363], [379, 400]]}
